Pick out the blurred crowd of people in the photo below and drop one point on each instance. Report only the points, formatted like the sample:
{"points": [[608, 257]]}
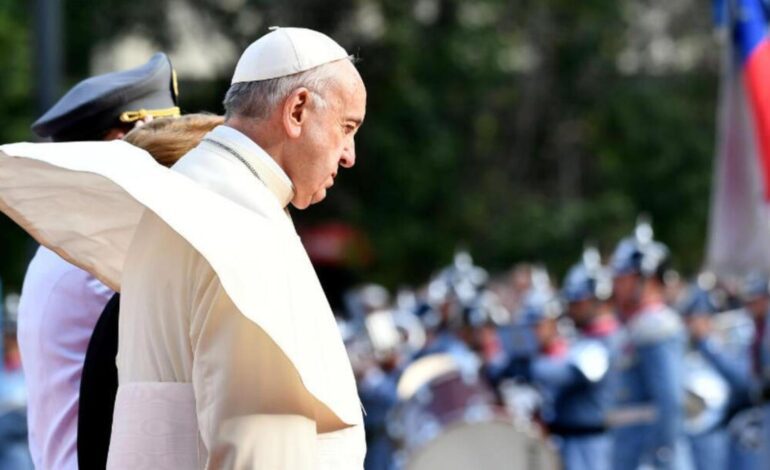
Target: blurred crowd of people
{"points": [[624, 366]]}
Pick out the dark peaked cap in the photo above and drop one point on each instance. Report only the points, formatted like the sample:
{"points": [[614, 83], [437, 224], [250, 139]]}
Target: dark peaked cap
{"points": [[99, 103]]}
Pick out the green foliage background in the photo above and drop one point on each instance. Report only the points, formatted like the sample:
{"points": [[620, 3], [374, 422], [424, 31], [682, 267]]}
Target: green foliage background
{"points": [[459, 147]]}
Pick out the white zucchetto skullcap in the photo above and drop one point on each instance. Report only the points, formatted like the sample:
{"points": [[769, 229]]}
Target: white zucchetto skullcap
{"points": [[286, 51]]}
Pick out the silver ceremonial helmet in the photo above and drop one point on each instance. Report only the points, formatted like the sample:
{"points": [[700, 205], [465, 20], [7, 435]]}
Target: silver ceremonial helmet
{"points": [[379, 328]]}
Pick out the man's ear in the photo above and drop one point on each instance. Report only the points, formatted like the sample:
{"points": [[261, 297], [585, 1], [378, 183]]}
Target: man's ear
{"points": [[295, 112]]}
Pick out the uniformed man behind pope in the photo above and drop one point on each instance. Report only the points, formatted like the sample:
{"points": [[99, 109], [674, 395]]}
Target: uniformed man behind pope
{"points": [[250, 372], [61, 303]]}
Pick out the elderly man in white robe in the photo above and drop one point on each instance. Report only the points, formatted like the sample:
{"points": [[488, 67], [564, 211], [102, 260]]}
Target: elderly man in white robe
{"points": [[203, 385], [229, 355]]}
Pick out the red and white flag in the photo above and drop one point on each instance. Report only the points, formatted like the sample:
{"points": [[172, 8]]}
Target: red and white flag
{"points": [[739, 225]]}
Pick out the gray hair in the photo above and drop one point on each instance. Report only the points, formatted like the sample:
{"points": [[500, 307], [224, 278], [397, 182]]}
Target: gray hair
{"points": [[258, 99]]}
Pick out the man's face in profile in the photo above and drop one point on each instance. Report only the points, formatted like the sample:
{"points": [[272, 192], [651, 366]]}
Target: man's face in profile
{"points": [[581, 311], [624, 291], [328, 137]]}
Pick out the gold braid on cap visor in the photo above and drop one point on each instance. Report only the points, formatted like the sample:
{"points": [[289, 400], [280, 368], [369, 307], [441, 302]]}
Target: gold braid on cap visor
{"points": [[133, 116]]}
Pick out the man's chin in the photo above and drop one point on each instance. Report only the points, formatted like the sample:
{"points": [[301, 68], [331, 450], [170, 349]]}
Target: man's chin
{"points": [[318, 197], [304, 203]]}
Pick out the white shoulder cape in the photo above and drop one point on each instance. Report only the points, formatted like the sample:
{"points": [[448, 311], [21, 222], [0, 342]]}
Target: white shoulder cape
{"points": [[84, 199]]}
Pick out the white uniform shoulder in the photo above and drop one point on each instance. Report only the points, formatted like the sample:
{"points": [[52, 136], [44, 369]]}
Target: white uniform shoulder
{"points": [[652, 325], [591, 358]]}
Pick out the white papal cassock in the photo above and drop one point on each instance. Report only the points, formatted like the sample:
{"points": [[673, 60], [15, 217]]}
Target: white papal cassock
{"points": [[229, 356]]}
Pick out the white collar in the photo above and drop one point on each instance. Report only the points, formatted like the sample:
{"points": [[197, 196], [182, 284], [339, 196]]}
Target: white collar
{"points": [[276, 180]]}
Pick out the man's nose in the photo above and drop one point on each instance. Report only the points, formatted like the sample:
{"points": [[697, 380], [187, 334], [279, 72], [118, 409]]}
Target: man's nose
{"points": [[348, 158]]}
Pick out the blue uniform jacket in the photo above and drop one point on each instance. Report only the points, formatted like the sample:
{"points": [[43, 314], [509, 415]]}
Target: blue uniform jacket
{"points": [[650, 397]]}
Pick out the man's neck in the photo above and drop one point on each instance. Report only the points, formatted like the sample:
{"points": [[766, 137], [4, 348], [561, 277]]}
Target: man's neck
{"points": [[650, 297], [257, 160], [650, 294], [260, 133]]}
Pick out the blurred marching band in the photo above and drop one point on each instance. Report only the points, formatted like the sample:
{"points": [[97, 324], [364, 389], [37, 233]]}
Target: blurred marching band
{"points": [[624, 366]]}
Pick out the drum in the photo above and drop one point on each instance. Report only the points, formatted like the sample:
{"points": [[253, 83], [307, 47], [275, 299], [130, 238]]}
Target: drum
{"points": [[491, 445], [448, 418], [707, 395]]}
